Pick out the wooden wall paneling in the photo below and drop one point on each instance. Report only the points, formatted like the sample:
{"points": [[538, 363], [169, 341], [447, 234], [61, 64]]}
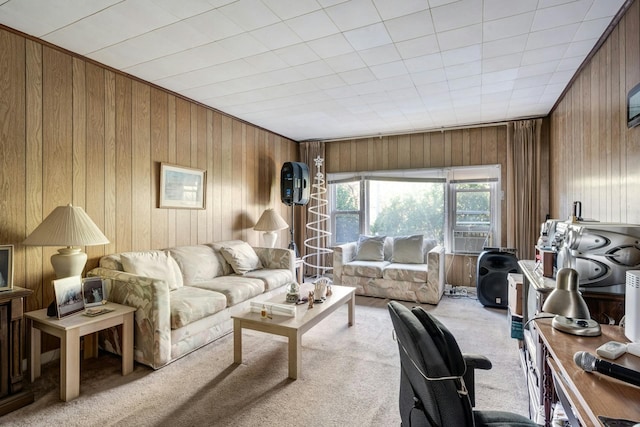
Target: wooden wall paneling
{"points": [[217, 177], [79, 129], [436, 143], [201, 163], [251, 214], [417, 151], [632, 136], [501, 158], [57, 131], [616, 118], [622, 126], [141, 165], [159, 139], [362, 155], [93, 164], [489, 145], [446, 149], [210, 219], [235, 179], [34, 260], [110, 159], [183, 158], [593, 172], [475, 146], [404, 151], [172, 143], [123, 165], [226, 177]]}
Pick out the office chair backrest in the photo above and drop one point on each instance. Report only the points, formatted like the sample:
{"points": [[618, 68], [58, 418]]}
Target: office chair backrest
{"points": [[432, 392]]}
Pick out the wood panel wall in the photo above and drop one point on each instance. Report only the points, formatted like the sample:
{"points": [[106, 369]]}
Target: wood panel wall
{"points": [[72, 131], [461, 147], [594, 156]]}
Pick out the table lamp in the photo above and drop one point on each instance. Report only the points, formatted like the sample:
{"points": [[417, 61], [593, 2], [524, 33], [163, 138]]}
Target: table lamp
{"points": [[68, 226], [270, 222], [566, 302]]}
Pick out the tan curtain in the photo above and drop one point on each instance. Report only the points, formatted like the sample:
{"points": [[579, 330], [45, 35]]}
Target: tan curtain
{"points": [[527, 176], [308, 152]]}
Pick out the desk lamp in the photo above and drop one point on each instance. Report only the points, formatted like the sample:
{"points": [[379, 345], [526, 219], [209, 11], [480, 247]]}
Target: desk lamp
{"points": [[68, 226], [566, 302], [270, 222]]}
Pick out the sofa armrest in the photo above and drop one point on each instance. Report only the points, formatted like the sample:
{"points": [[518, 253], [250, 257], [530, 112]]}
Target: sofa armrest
{"points": [[276, 258], [150, 297], [436, 269], [342, 254]]}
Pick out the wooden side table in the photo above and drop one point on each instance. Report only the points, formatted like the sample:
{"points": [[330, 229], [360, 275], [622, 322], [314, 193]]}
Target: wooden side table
{"points": [[69, 330], [12, 394]]}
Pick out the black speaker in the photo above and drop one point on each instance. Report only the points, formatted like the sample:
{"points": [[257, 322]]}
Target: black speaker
{"points": [[294, 183], [492, 284]]}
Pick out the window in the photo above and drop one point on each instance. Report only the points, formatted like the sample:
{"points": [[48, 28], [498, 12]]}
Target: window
{"points": [[456, 206]]}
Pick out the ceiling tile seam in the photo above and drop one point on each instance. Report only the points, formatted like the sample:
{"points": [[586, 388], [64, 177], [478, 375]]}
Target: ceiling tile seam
{"points": [[81, 19]]}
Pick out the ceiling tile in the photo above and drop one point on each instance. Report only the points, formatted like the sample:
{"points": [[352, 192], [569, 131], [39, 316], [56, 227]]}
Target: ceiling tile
{"points": [[418, 47], [357, 76], [287, 9], [462, 55], [333, 45], [242, 45], [410, 26], [297, 54], [249, 14], [223, 28], [184, 9], [396, 8], [592, 29], [312, 26], [390, 69], [537, 56], [580, 48], [504, 46], [460, 37], [603, 8], [539, 80], [552, 36], [276, 36], [424, 63], [464, 70], [428, 77], [314, 69], [346, 62], [380, 55], [497, 9], [457, 15], [507, 27], [368, 37], [353, 14], [556, 16], [265, 62]]}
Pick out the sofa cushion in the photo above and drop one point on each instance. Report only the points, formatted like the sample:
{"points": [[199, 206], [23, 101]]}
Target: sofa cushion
{"points": [[370, 248], [236, 289], [371, 269], [408, 250], [273, 278], [406, 272], [189, 304], [154, 264], [199, 262], [242, 257]]}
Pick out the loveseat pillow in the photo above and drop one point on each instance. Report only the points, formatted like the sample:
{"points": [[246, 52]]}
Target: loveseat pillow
{"points": [[242, 257], [408, 249], [154, 264], [370, 248]]}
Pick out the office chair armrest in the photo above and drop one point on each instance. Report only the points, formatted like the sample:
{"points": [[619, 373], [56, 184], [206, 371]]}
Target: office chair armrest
{"points": [[473, 362]]}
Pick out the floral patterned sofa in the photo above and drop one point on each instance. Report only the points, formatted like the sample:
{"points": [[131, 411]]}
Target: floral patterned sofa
{"points": [[185, 296], [409, 268]]}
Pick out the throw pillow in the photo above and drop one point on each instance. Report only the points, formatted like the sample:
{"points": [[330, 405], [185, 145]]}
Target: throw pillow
{"points": [[408, 249], [242, 258], [370, 248], [154, 264]]}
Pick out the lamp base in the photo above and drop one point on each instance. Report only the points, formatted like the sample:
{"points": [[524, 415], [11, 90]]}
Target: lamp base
{"points": [[582, 327], [269, 238], [68, 262]]}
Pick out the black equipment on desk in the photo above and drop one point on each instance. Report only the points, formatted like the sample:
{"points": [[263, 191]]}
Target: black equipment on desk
{"points": [[494, 264]]}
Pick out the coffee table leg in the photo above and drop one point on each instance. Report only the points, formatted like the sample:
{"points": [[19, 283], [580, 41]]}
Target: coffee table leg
{"points": [[127, 343], [295, 354], [237, 341], [70, 365], [352, 309]]}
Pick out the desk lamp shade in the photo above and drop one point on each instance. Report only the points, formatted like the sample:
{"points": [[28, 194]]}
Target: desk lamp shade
{"points": [[67, 226], [270, 222], [566, 302]]}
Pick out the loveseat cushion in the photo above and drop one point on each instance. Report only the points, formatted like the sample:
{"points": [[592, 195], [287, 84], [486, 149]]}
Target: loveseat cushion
{"points": [[272, 278], [408, 249], [406, 272], [235, 288], [198, 263], [154, 264], [242, 257], [371, 269], [370, 248], [189, 304]]}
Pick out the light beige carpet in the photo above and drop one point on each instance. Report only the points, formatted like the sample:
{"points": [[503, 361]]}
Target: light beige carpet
{"points": [[350, 377]]}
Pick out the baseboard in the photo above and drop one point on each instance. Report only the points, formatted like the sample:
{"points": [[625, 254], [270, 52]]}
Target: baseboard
{"points": [[47, 357]]}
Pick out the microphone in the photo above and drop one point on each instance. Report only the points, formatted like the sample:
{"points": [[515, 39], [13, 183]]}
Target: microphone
{"points": [[590, 363]]}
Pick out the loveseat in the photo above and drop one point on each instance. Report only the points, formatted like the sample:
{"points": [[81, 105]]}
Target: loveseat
{"points": [[409, 268], [185, 296]]}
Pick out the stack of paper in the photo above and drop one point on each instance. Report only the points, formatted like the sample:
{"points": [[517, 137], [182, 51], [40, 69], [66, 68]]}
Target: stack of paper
{"points": [[274, 308]]}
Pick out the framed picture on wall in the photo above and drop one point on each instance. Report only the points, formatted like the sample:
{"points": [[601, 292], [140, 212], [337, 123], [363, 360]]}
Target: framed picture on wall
{"points": [[181, 187], [6, 267]]}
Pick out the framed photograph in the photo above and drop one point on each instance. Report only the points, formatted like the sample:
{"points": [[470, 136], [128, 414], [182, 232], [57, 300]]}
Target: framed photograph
{"points": [[93, 291], [6, 267], [68, 295], [182, 187]]}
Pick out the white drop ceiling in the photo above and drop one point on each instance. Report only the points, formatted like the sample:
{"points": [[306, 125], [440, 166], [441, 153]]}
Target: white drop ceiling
{"points": [[330, 69]]}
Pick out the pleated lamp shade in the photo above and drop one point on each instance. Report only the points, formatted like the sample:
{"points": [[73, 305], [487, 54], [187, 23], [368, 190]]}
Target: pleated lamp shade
{"points": [[270, 222], [67, 226]]}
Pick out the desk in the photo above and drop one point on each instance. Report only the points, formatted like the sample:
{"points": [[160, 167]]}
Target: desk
{"points": [[590, 394], [69, 330]]}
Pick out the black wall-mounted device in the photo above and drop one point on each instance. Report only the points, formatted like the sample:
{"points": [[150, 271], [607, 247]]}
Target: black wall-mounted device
{"points": [[294, 183]]}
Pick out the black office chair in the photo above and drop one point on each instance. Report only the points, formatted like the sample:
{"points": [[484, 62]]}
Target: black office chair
{"points": [[436, 379]]}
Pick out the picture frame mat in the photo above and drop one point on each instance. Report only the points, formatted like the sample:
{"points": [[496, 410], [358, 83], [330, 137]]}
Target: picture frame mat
{"points": [[68, 296], [182, 187]]}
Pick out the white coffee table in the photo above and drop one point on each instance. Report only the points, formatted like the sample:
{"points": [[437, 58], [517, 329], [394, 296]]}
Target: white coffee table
{"points": [[69, 330], [293, 327]]}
